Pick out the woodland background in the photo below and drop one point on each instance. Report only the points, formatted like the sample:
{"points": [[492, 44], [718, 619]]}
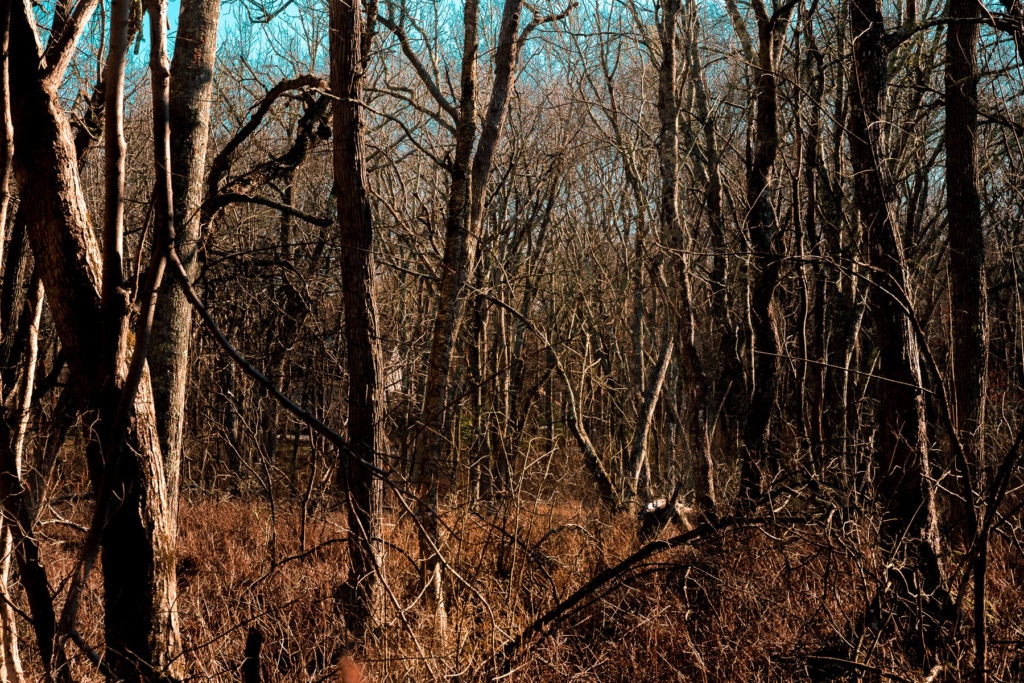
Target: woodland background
{"points": [[408, 340]]}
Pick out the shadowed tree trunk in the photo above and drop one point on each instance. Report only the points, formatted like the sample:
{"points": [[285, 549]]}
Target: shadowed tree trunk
{"points": [[815, 324], [968, 293], [17, 537], [366, 401], [725, 370], [6, 125], [694, 378], [903, 486], [967, 290], [760, 456]]}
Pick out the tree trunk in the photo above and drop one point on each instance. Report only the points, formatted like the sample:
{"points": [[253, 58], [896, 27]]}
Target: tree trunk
{"points": [[465, 211], [190, 100], [693, 375], [13, 533], [429, 461], [967, 290], [726, 370], [366, 400], [470, 174], [815, 325], [903, 486], [6, 125], [760, 456], [138, 544], [638, 468], [968, 293]]}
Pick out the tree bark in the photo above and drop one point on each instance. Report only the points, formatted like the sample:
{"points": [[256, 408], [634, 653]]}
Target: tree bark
{"points": [[470, 172], [968, 293], [814, 274], [6, 125], [114, 295], [13, 534], [366, 399], [967, 289], [693, 374], [191, 97], [725, 370], [138, 545], [760, 456], [459, 250], [637, 464], [903, 486]]}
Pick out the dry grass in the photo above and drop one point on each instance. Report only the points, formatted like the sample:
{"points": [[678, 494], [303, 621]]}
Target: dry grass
{"points": [[752, 605]]}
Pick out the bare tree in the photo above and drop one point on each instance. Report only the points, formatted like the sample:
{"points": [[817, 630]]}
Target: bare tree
{"points": [[694, 377], [191, 96], [903, 482], [350, 42], [137, 543], [470, 170], [760, 455], [10, 666], [967, 283]]}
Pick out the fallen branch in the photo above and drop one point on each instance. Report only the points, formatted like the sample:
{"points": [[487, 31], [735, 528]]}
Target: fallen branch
{"points": [[545, 625]]}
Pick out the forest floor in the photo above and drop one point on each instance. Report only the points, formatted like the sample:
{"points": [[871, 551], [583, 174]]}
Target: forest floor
{"points": [[750, 604]]}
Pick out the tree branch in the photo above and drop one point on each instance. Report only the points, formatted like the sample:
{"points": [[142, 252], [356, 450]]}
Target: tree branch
{"points": [[545, 624], [59, 53], [421, 70], [228, 198], [539, 20], [335, 439], [220, 165]]}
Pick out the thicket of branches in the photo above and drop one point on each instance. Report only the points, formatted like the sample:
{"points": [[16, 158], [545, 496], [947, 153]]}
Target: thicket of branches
{"points": [[603, 341]]}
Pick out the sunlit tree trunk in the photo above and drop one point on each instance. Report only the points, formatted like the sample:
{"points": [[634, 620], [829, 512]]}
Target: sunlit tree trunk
{"points": [[10, 660], [470, 172], [429, 459], [138, 545], [191, 96]]}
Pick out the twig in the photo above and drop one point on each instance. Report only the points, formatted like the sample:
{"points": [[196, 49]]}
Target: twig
{"points": [[851, 664], [91, 654]]}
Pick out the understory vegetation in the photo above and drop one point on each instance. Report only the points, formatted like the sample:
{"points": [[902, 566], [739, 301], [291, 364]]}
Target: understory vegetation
{"points": [[495, 340]]}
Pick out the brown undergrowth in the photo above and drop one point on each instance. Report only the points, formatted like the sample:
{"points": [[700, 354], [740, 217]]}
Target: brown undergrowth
{"points": [[750, 604]]}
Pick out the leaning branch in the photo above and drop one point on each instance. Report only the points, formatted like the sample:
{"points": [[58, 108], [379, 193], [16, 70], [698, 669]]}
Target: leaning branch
{"points": [[220, 165], [337, 440], [546, 624], [223, 200]]}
